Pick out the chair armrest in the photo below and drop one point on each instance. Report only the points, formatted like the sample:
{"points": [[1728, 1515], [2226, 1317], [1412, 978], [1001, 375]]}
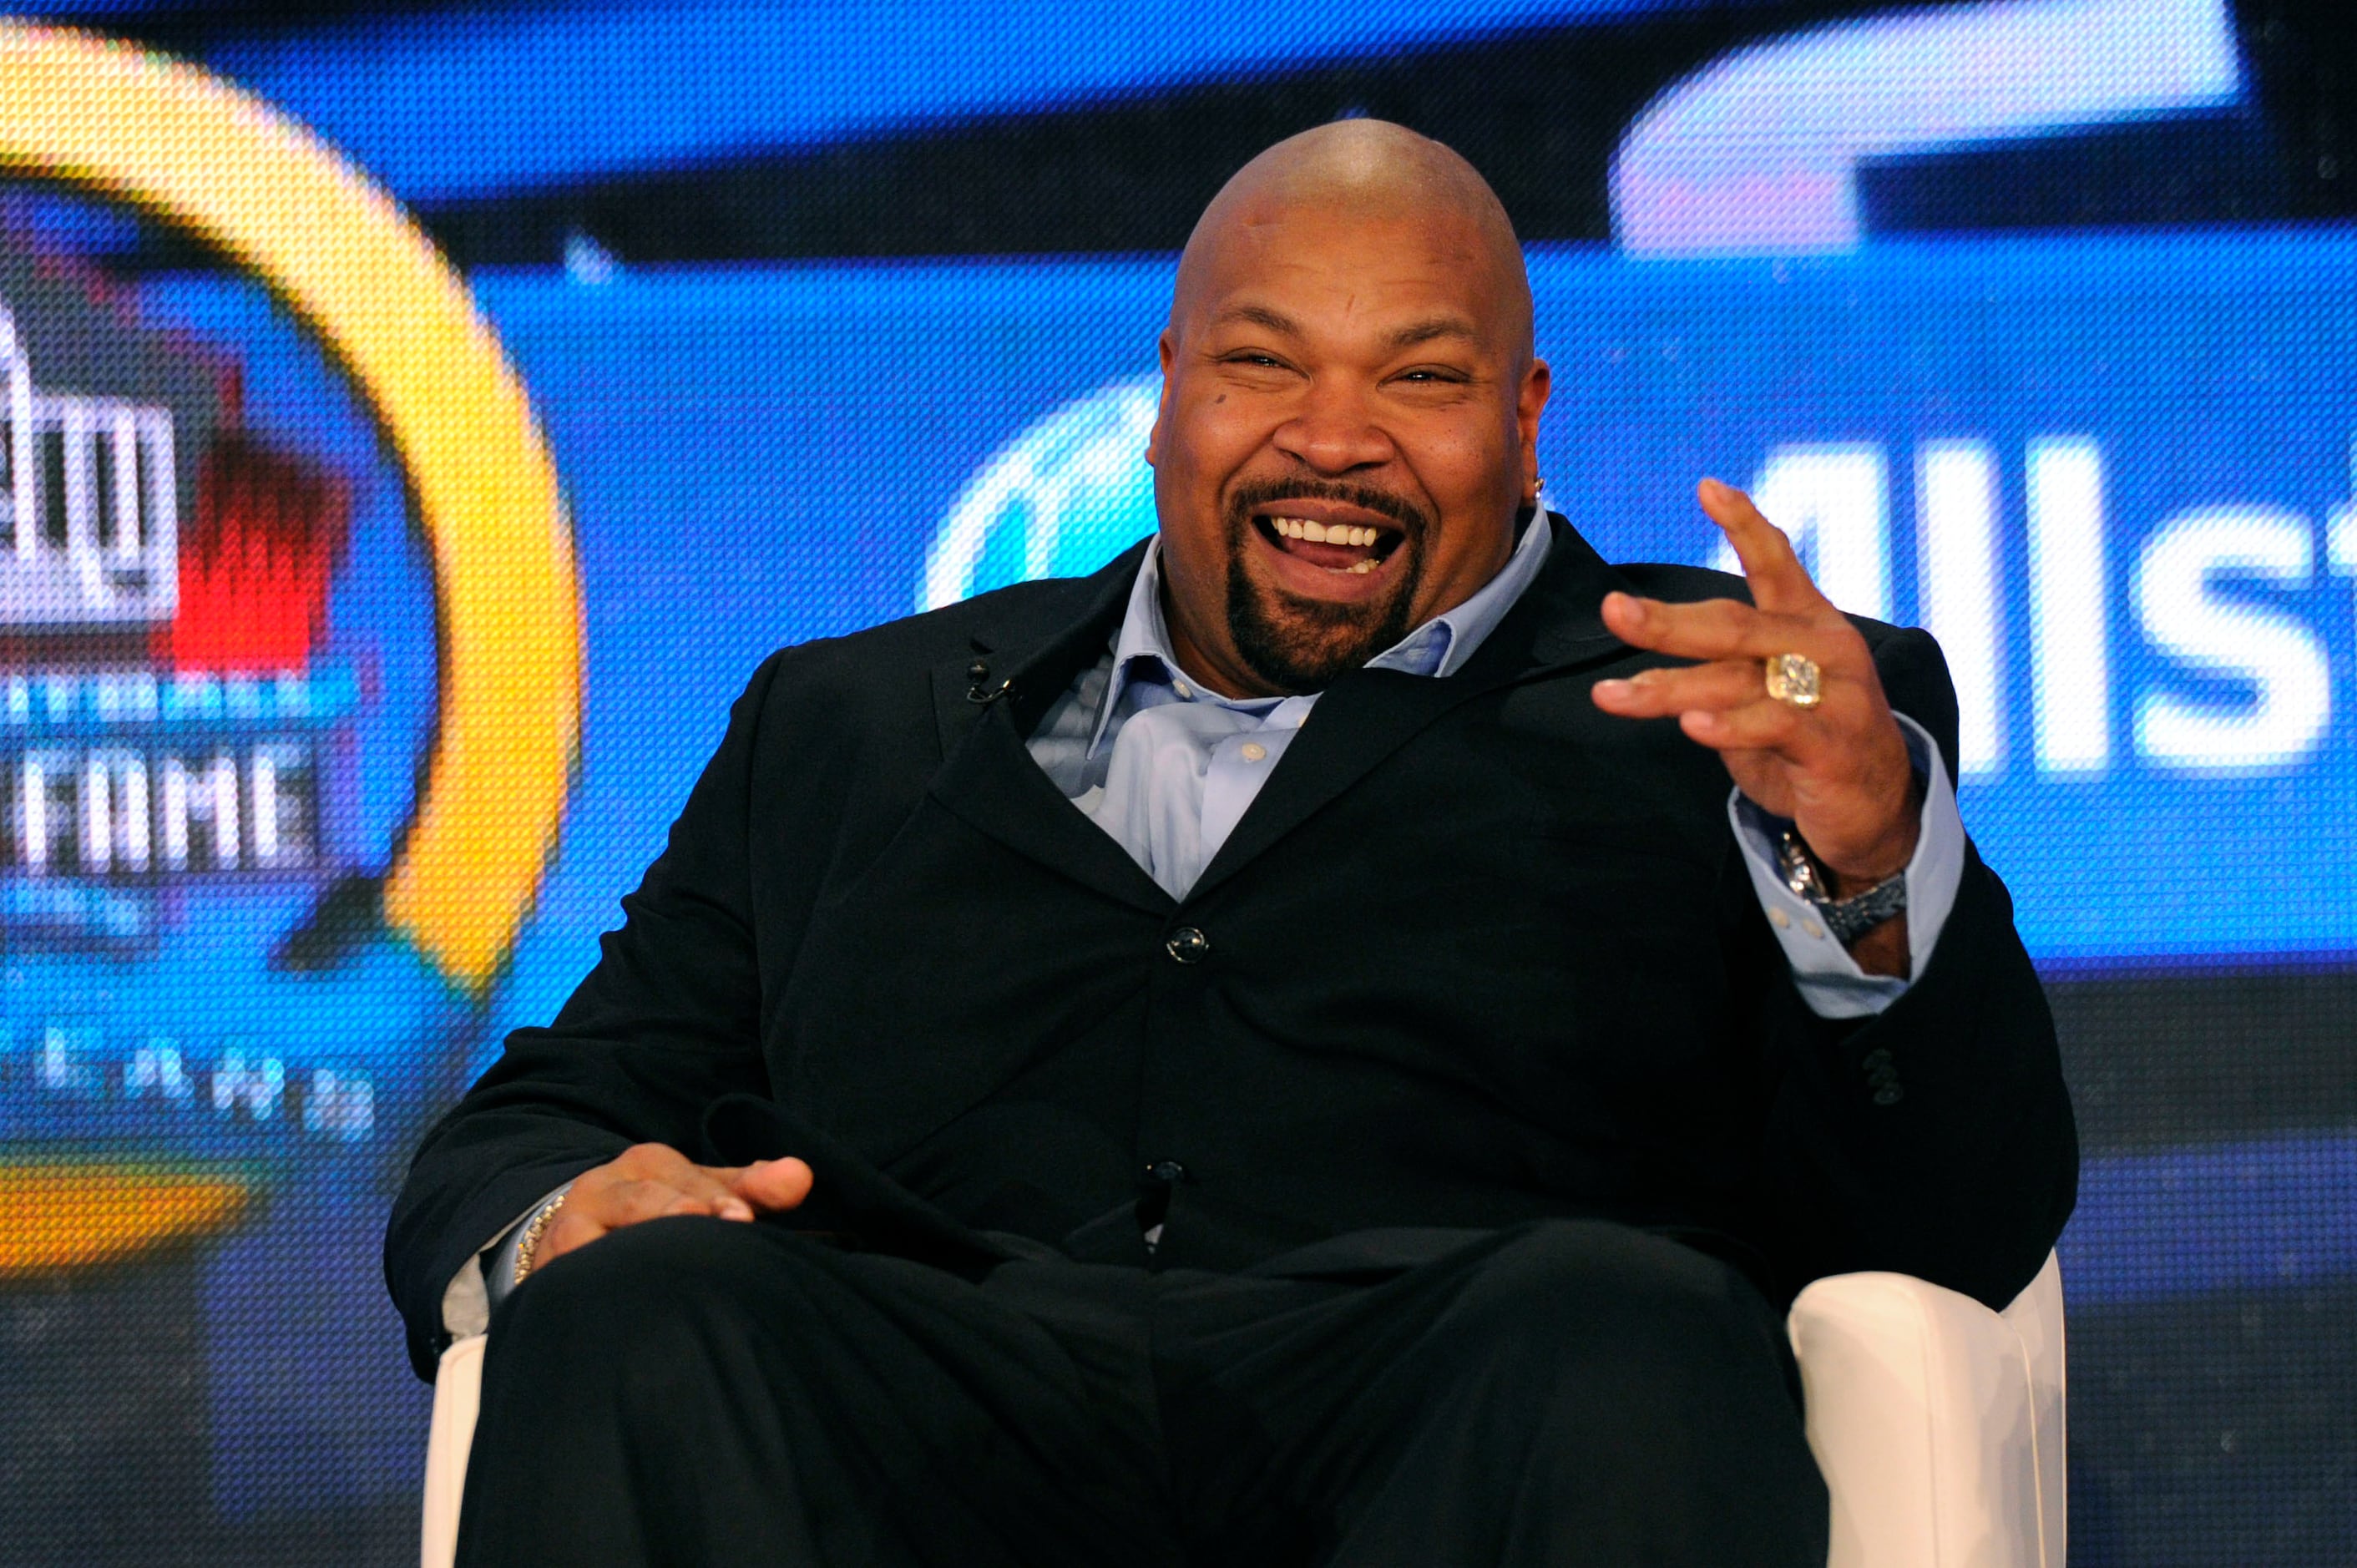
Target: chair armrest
{"points": [[457, 1388], [1923, 1412], [2036, 1315]]}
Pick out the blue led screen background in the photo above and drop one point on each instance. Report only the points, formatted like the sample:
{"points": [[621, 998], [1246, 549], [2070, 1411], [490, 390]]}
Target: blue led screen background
{"points": [[2033, 318]]}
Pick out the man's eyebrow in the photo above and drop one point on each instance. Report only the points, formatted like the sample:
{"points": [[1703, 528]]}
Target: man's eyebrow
{"points": [[1425, 331], [1259, 316]]}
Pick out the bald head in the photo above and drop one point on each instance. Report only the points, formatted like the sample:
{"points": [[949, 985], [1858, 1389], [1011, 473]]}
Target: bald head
{"points": [[1350, 411], [1363, 171]]}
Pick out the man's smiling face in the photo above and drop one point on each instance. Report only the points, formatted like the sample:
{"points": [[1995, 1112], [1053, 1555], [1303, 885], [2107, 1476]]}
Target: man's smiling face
{"points": [[1349, 418]]}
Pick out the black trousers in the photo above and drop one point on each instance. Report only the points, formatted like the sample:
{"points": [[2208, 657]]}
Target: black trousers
{"points": [[699, 1393]]}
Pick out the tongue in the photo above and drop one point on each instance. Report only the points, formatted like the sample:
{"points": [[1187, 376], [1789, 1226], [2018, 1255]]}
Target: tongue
{"points": [[1333, 558]]}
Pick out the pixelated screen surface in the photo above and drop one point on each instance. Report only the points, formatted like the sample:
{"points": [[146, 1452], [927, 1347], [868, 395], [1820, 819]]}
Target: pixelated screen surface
{"points": [[340, 697]]}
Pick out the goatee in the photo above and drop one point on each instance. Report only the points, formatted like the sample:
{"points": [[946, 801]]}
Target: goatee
{"points": [[1295, 644]]}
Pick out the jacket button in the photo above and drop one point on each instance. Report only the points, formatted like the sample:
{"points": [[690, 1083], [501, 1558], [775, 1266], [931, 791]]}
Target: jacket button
{"points": [[1188, 945], [1882, 1077], [1169, 1172]]}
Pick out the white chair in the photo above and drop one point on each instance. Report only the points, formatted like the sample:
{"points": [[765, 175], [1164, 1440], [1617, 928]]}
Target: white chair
{"points": [[1939, 1423]]}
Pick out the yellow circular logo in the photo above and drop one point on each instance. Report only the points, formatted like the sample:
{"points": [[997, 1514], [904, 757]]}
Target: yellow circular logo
{"points": [[177, 144]]}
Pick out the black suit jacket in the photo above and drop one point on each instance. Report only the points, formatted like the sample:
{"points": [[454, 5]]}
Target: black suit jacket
{"points": [[1478, 953]]}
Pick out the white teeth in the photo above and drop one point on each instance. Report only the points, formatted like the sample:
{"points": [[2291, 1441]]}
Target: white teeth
{"points": [[1323, 533], [1314, 532]]}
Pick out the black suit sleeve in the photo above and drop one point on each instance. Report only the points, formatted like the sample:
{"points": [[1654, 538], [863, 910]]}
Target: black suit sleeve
{"points": [[1965, 1176], [665, 1024]]}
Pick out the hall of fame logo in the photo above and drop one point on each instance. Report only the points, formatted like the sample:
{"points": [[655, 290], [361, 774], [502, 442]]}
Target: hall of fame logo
{"points": [[162, 712], [211, 983]]}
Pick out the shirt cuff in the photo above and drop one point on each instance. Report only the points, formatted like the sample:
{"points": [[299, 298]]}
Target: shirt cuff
{"points": [[1829, 979], [488, 1275]]}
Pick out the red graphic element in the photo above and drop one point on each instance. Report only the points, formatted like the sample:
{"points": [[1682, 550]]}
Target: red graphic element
{"points": [[256, 561]]}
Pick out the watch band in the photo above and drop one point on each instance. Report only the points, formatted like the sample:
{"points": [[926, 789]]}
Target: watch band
{"points": [[1850, 919], [1847, 918]]}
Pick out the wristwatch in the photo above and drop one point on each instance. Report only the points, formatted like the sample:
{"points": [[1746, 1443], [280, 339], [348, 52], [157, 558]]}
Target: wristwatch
{"points": [[1847, 918]]}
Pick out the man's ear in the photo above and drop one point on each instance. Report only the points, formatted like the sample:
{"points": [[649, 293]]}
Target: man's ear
{"points": [[1529, 404], [1162, 355]]}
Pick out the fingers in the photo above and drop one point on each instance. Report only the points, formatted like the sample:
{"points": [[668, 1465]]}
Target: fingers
{"points": [[1779, 581], [1658, 694], [633, 1202], [1756, 726], [649, 1181], [1786, 613], [1723, 629], [774, 1184], [1724, 707], [1781, 592], [653, 1181]]}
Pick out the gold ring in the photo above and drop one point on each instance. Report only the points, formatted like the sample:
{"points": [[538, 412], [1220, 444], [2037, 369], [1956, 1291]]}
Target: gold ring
{"points": [[1795, 680]]}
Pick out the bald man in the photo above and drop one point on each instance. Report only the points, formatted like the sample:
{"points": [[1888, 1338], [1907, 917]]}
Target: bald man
{"points": [[1332, 1040]]}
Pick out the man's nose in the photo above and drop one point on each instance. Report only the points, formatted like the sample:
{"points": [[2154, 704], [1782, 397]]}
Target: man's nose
{"points": [[1332, 431]]}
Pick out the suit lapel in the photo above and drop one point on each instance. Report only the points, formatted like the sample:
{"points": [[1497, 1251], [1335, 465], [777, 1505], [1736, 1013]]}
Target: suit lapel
{"points": [[987, 777], [992, 783], [1366, 716]]}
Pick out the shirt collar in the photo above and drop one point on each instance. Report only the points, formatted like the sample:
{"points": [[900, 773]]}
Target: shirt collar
{"points": [[1440, 645]]}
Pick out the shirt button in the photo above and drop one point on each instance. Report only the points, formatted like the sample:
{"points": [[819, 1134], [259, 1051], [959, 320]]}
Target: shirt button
{"points": [[1813, 928], [1252, 750], [1169, 1172], [1781, 918], [1185, 692], [1188, 945]]}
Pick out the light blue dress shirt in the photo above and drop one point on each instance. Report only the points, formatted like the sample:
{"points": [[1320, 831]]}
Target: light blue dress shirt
{"points": [[1168, 767]]}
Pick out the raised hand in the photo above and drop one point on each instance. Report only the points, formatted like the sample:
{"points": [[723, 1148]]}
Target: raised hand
{"points": [[649, 1181], [1839, 770]]}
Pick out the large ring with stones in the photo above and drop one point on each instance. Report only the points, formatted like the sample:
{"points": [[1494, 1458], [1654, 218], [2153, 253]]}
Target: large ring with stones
{"points": [[1794, 679]]}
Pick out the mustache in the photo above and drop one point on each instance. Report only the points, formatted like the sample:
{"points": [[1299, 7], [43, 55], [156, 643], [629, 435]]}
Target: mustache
{"points": [[1263, 493]]}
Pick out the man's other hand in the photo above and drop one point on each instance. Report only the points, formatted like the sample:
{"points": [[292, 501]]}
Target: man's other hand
{"points": [[647, 1181], [1839, 771]]}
